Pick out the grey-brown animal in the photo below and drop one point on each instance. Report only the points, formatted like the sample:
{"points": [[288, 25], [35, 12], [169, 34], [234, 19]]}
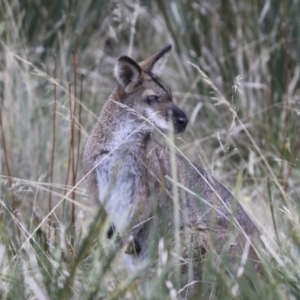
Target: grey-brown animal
{"points": [[130, 173]]}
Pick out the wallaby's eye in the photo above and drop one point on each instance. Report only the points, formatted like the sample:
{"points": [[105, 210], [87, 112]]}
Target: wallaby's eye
{"points": [[151, 99]]}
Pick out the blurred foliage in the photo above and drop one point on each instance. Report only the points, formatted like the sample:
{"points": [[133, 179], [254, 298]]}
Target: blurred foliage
{"points": [[38, 22]]}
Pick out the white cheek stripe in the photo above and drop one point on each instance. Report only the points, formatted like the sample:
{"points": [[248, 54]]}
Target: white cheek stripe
{"points": [[157, 121]]}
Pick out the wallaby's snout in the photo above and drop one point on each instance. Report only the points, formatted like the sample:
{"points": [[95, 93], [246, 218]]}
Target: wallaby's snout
{"points": [[180, 120]]}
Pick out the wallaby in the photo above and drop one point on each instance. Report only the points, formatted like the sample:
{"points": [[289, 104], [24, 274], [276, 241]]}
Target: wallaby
{"points": [[129, 172]]}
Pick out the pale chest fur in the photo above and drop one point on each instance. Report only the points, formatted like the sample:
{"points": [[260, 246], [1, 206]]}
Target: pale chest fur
{"points": [[119, 179]]}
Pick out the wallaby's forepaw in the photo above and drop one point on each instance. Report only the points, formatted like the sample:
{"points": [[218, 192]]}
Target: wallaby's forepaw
{"points": [[110, 231], [133, 248]]}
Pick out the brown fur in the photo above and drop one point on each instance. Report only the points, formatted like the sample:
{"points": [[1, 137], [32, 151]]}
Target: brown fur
{"points": [[128, 171]]}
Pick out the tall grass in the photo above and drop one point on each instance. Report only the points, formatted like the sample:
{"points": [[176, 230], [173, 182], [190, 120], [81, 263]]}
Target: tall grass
{"points": [[56, 71]]}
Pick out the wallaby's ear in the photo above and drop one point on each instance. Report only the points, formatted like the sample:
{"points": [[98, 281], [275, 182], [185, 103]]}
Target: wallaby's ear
{"points": [[156, 62], [127, 72]]}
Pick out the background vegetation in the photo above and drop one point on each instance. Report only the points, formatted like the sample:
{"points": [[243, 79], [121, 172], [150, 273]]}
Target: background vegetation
{"points": [[56, 71]]}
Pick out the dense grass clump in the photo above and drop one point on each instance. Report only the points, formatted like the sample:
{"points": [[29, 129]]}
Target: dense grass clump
{"points": [[234, 71]]}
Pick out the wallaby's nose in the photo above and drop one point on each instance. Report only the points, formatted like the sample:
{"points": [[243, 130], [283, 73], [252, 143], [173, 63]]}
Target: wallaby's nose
{"points": [[180, 120]]}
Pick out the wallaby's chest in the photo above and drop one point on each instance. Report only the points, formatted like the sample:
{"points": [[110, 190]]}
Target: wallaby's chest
{"points": [[118, 180]]}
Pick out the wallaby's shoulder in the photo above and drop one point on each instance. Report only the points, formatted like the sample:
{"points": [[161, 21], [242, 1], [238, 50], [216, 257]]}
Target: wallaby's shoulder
{"points": [[157, 152]]}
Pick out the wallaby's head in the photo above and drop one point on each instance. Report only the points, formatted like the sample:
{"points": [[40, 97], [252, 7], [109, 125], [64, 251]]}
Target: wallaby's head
{"points": [[141, 90]]}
